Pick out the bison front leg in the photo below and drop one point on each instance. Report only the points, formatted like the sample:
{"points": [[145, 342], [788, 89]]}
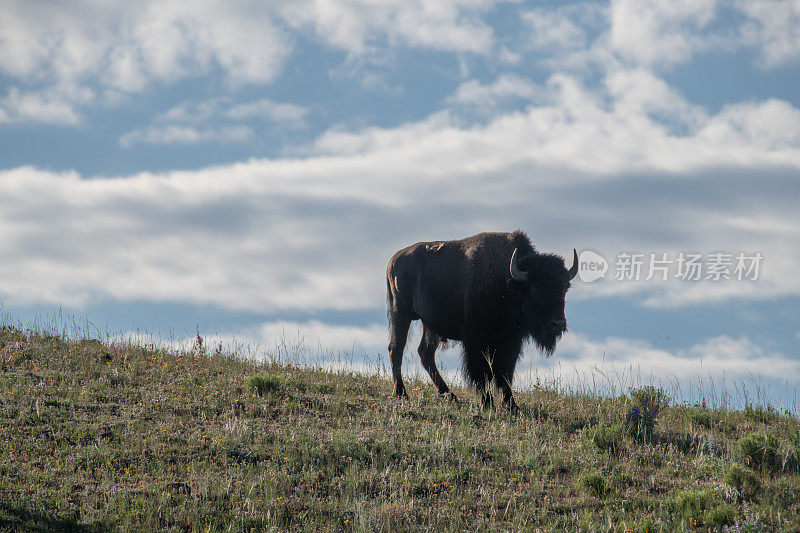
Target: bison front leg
{"points": [[478, 369], [508, 401], [503, 382], [487, 402]]}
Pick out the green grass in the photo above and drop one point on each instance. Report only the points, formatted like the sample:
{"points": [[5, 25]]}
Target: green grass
{"points": [[98, 436], [746, 482]]}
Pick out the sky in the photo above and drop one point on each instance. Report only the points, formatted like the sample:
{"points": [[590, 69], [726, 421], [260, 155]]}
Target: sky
{"points": [[246, 169]]}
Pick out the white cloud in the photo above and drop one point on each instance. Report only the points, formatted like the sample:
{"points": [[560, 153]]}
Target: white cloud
{"points": [[773, 125], [508, 57], [773, 26], [45, 107], [318, 336], [624, 34], [197, 112], [215, 120], [165, 135], [506, 87], [127, 46], [722, 370], [560, 29], [657, 35], [310, 342], [268, 110], [716, 356], [578, 130], [316, 232], [124, 48], [663, 33], [453, 25], [193, 112], [658, 31], [639, 93]]}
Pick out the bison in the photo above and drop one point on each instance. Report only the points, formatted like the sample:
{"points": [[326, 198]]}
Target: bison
{"points": [[491, 292]]}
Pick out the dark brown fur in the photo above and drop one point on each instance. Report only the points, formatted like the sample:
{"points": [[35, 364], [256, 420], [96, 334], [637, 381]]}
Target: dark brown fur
{"points": [[462, 291]]}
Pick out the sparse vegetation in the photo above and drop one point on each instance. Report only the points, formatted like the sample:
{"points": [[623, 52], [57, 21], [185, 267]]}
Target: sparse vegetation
{"points": [[594, 484], [692, 504], [607, 437], [640, 420], [744, 481], [760, 413], [263, 384], [700, 419], [97, 436], [760, 451], [649, 397], [722, 516]]}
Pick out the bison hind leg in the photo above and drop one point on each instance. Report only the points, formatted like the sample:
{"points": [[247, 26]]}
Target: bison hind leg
{"points": [[399, 325], [427, 355]]}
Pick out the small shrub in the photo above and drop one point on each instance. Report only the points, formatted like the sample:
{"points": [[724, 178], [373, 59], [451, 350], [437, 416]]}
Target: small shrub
{"points": [[700, 419], [620, 481], [744, 480], [322, 388], [594, 484], [758, 413], [686, 443], [607, 438], [263, 384], [692, 504], [647, 525], [640, 422], [791, 458], [784, 492], [649, 458], [649, 397], [721, 516], [558, 466], [760, 450]]}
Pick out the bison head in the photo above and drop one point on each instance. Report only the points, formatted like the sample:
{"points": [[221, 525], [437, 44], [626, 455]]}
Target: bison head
{"points": [[544, 281]]}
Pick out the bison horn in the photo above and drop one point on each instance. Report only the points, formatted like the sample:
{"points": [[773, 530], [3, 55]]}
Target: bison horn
{"points": [[516, 272], [574, 270]]}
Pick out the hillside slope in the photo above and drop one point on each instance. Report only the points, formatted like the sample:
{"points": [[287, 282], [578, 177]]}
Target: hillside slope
{"points": [[97, 437]]}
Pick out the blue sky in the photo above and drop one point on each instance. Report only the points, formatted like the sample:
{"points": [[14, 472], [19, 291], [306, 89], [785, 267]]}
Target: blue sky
{"points": [[248, 168]]}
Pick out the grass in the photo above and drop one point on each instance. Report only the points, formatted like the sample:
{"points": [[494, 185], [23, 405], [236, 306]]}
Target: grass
{"points": [[97, 436], [746, 482]]}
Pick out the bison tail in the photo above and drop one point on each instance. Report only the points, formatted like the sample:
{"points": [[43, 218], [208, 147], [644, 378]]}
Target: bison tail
{"points": [[389, 296]]}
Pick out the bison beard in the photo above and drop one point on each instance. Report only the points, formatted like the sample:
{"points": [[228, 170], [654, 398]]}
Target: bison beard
{"points": [[491, 292]]}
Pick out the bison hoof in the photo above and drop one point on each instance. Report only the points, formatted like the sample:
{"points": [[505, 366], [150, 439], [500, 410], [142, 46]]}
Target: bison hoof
{"points": [[449, 396], [487, 402], [512, 407], [400, 392]]}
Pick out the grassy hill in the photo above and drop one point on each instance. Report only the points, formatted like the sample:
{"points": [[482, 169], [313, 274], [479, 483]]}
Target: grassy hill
{"points": [[96, 437]]}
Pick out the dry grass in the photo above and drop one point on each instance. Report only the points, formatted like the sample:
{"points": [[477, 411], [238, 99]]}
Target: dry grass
{"points": [[96, 436]]}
